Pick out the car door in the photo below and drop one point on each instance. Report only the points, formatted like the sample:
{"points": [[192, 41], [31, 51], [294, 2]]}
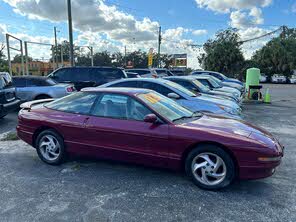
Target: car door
{"points": [[20, 88], [117, 130]]}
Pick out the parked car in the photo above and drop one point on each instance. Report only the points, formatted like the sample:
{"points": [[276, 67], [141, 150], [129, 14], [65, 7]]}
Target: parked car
{"points": [[8, 100], [292, 79], [216, 85], [83, 77], [146, 73], [163, 72], [192, 84], [263, 78], [225, 80], [152, 130], [183, 96], [36, 87], [218, 75], [277, 78], [132, 75]]}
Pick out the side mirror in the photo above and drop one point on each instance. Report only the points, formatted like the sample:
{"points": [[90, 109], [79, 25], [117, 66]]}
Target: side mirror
{"points": [[173, 96], [150, 118]]}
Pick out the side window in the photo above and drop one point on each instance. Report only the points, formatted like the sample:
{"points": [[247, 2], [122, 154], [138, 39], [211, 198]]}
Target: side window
{"points": [[19, 82], [156, 87], [111, 105], [132, 84], [63, 75], [120, 107], [80, 103], [32, 82], [185, 84], [205, 82]]}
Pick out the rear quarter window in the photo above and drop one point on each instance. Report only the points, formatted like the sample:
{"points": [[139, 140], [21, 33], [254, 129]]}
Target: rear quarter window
{"points": [[80, 103]]}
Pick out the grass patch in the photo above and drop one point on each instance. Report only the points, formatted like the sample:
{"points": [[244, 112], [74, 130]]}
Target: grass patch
{"points": [[11, 136]]}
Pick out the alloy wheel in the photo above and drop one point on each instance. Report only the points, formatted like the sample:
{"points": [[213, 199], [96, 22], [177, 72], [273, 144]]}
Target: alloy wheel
{"points": [[209, 169], [49, 147]]}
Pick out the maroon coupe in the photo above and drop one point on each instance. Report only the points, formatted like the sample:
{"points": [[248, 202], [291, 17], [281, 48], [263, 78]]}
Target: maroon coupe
{"points": [[144, 127]]}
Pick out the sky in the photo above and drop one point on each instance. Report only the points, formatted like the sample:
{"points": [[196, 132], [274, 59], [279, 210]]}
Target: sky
{"points": [[113, 24]]}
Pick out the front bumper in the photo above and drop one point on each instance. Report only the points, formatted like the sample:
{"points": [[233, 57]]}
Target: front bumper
{"points": [[258, 171]]}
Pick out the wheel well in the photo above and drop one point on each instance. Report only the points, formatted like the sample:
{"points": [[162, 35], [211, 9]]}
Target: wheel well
{"points": [[42, 95], [40, 130], [193, 146]]}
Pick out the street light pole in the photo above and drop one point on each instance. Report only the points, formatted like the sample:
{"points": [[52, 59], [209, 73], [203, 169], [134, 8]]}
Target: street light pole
{"points": [[70, 32], [159, 42], [56, 48]]}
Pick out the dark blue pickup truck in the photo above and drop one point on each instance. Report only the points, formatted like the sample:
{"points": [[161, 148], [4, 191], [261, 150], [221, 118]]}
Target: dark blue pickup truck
{"points": [[8, 100]]}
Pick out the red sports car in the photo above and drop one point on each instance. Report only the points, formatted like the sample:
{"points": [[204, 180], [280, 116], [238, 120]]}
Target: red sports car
{"points": [[144, 127]]}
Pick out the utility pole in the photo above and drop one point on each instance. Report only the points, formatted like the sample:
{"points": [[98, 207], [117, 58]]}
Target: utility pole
{"points": [[70, 32], [159, 43], [56, 47]]}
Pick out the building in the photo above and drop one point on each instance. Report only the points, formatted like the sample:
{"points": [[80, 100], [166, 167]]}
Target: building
{"points": [[37, 68]]}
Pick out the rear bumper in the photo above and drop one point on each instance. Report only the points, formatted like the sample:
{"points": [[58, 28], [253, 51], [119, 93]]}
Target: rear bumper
{"points": [[25, 135], [258, 171], [9, 107]]}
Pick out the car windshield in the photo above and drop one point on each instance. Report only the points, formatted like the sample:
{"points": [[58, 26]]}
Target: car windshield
{"points": [[165, 106], [215, 82], [202, 87], [179, 88]]}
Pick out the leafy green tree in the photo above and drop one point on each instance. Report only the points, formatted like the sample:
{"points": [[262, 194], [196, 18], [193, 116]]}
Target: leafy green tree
{"points": [[102, 59], [3, 61], [278, 55], [223, 54], [18, 58]]}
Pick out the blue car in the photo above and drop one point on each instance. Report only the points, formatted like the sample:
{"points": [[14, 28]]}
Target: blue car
{"points": [[228, 81], [193, 102]]}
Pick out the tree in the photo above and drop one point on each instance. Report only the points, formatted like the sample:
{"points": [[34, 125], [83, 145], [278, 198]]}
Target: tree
{"points": [[223, 54], [278, 55], [3, 61], [102, 59], [18, 58]]}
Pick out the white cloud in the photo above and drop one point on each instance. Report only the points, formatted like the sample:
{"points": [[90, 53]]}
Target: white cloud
{"points": [[3, 30], [241, 19], [90, 15], [249, 48], [199, 32], [225, 6]]}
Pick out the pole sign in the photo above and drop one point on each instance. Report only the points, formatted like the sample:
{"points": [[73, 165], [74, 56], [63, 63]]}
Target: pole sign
{"points": [[150, 57]]}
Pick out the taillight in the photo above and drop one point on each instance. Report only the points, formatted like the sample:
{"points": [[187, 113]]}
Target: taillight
{"points": [[70, 89]]}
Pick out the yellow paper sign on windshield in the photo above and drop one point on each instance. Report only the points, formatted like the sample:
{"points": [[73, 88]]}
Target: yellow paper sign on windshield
{"points": [[152, 98]]}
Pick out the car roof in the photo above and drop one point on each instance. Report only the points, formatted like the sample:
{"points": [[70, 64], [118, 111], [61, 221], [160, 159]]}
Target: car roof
{"points": [[201, 77], [181, 77], [91, 67], [30, 77], [122, 90]]}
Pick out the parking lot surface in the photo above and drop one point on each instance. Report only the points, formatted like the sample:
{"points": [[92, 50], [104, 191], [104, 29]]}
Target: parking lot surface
{"points": [[88, 190]]}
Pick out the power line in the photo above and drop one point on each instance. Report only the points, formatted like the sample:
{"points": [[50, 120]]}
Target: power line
{"points": [[262, 36]]}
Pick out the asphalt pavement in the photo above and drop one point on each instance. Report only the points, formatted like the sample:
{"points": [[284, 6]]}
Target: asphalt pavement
{"points": [[89, 190]]}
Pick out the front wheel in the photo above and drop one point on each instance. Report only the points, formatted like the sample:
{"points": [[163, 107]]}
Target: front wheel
{"points": [[210, 167], [50, 147]]}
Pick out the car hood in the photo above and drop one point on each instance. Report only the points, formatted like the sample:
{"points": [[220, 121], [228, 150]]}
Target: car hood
{"points": [[220, 124], [233, 85], [217, 100], [234, 80]]}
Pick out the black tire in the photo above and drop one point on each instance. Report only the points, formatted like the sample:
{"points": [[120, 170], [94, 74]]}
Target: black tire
{"points": [[229, 163], [62, 153], [42, 97]]}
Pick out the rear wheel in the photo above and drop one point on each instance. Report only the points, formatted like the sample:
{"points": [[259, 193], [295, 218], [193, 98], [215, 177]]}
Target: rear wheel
{"points": [[50, 147], [210, 167]]}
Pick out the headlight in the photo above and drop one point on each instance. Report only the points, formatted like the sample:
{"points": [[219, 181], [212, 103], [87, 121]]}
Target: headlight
{"points": [[230, 110], [270, 159]]}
